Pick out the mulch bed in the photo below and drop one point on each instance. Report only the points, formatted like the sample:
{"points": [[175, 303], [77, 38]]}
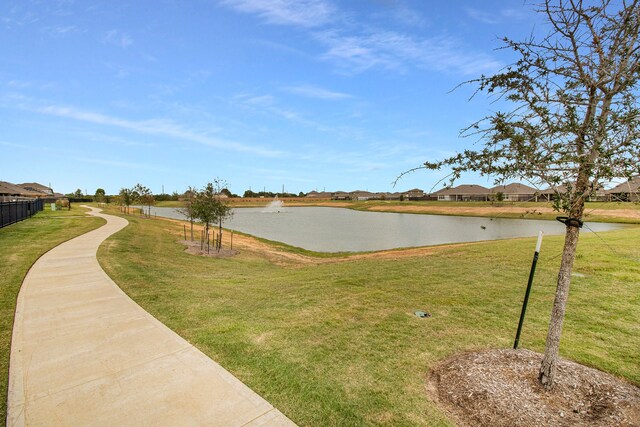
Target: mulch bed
{"points": [[194, 248], [500, 388]]}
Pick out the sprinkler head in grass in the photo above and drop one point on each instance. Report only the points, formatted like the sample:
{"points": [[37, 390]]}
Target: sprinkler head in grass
{"points": [[422, 314]]}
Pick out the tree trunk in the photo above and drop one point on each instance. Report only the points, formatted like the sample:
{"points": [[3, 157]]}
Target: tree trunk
{"points": [[552, 347]]}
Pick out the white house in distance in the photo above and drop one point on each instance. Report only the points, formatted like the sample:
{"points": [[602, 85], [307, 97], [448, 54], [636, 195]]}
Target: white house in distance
{"points": [[464, 193], [515, 193]]}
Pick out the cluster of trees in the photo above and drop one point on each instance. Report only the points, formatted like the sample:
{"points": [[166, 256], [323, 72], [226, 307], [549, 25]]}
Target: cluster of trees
{"points": [[138, 194], [208, 206], [100, 195], [271, 195], [78, 196], [173, 197]]}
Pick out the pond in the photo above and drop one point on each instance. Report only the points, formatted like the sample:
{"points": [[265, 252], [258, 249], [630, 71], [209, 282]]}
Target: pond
{"points": [[324, 229]]}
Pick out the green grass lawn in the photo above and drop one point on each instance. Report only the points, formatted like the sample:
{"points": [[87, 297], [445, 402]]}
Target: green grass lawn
{"points": [[21, 245], [338, 344]]}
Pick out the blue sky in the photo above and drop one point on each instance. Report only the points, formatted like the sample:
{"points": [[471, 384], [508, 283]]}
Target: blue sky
{"points": [[309, 94]]}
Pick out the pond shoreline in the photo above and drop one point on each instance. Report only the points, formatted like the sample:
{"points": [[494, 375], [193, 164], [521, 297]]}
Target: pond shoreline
{"points": [[335, 230]]}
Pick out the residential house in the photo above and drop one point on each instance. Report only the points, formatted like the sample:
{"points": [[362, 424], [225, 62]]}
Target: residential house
{"points": [[415, 194], [515, 193], [341, 195], [9, 191], [363, 195], [626, 192], [318, 195], [465, 192], [550, 193], [391, 196], [37, 190]]}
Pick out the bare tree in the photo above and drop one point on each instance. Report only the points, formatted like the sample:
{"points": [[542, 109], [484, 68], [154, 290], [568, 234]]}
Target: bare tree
{"points": [[574, 124]]}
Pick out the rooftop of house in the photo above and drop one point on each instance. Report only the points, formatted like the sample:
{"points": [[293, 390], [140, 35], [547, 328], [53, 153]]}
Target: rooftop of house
{"points": [[34, 186], [463, 189], [9, 189], [514, 188], [631, 186]]}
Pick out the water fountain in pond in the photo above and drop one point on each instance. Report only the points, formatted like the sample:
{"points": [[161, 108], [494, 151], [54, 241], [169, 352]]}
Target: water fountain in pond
{"points": [[275, 206]]}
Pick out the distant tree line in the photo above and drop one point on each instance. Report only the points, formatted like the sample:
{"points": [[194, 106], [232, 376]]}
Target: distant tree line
{"points": [[100, 195], [270, 194]]}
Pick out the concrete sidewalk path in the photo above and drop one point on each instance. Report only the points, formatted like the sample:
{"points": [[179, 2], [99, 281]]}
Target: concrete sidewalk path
{"points": [[83, 353]]}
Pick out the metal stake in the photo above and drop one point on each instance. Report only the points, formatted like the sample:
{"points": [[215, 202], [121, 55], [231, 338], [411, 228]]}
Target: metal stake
{"points": [[526, 295]]}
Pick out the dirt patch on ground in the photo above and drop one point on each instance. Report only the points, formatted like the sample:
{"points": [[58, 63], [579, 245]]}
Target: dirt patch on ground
{"points": [[500, 388], [195, 248], [284, 258]]}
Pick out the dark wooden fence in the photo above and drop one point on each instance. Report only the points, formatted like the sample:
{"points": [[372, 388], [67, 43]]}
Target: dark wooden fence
{"points": [[12, 212]]}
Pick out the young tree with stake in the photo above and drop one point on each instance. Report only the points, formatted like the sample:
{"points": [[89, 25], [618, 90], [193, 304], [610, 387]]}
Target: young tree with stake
{"points": [[209, 207], [144, 196], [574, 125], [188, 208], [126, 197]]}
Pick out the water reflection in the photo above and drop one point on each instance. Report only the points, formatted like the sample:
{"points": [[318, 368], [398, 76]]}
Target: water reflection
{"points": [[344, 230]]}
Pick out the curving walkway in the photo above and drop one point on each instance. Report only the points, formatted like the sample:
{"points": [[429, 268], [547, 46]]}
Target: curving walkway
{"points": [[83, 353]]}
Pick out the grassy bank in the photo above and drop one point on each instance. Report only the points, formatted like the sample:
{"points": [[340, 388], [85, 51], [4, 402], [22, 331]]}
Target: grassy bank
{"points": [[338, 343], [21, 245]]}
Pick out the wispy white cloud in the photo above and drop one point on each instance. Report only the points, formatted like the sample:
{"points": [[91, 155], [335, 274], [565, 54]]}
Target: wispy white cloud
{"points": [[407, 16], [354, 53], [395, 51], [263, 101], [117, 38], [18, 84], [494, 17], [268, 104], [302, 13], [160, 127], [61, 30], [16, 17], [482, 16], [316, 92], [355, 47]]}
